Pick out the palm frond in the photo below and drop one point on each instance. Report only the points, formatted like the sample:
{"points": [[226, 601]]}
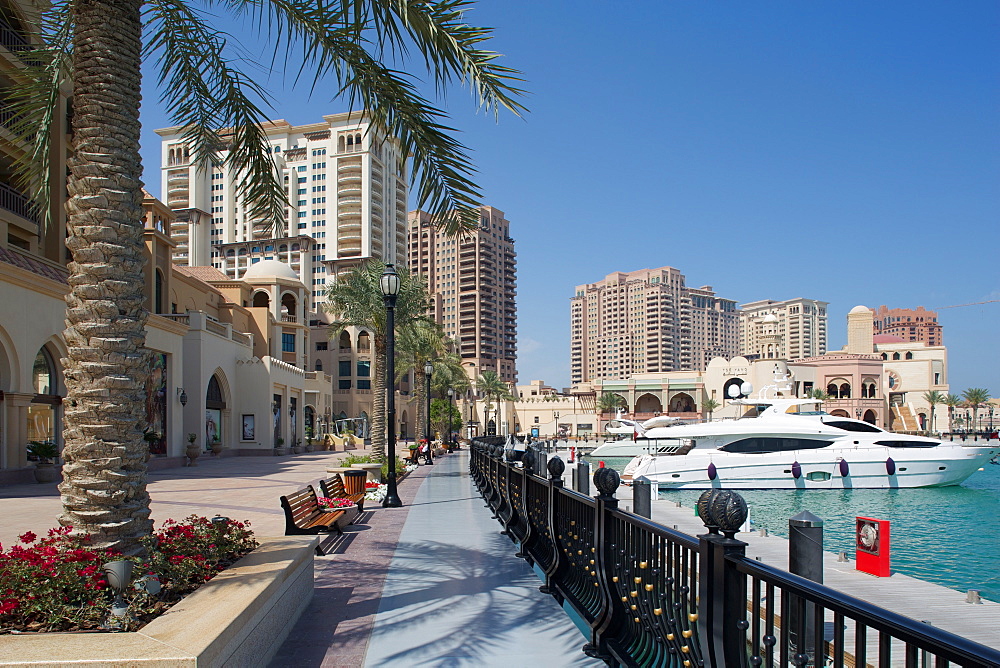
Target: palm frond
{"points": [[33, 104], [214, 102]]}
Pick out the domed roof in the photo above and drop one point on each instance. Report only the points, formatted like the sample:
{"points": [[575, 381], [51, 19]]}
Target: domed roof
{"points": [[267, 269], [770, 317], [860, 309]]}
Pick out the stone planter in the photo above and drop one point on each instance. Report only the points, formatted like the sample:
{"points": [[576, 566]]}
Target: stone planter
{"points": [[280, 451], [46, 472], [374, 471], [192, 451], [217, 447], [296, 449], [240, 618]]}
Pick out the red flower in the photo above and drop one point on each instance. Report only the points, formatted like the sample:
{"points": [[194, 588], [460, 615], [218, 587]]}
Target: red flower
{"points": [[27, 537]]}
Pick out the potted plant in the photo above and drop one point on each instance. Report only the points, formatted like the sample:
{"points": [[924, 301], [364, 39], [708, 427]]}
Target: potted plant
{"points": [[296, 447], [45, 452], [279, 446], [309, 439], [150, 437], [192, 451], [216, 446]]}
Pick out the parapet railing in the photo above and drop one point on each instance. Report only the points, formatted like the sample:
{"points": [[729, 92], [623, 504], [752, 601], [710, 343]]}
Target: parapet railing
{"points": [[651, 596]]}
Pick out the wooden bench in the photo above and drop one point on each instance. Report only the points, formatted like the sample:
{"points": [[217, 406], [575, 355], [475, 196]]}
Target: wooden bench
{"points": [[333, 487], [303, 515]]}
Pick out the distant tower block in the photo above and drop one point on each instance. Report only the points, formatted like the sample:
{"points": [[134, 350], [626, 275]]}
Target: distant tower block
{"points": [[860, 331]]}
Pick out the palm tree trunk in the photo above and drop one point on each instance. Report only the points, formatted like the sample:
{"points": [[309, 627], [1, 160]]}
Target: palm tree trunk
{"points": [[378, 401], [104, 478]]}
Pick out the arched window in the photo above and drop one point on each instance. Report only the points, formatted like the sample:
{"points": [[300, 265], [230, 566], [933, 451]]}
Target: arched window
{"points": [[283, 248], [243, 251], [230, 253], [345, 341], [845, 391], [832, 390], [43, 373], [895, 356], [340, 145], [158, 292], [884, 357], [909, 356], [288, 305], [364, 343], [319, 365], [261, 299]]}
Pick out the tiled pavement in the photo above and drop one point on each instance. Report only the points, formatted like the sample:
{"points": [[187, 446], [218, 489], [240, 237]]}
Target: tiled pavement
{"points": [[429, 584]]}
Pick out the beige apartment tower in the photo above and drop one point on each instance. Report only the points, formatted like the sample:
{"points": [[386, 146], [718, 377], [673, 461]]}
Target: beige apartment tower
{"points": [[347, 193], [647, 321], [472, 280], [799, 324]]}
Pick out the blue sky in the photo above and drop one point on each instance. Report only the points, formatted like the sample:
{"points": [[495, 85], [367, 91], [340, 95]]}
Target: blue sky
{"points": [[842, 151]]}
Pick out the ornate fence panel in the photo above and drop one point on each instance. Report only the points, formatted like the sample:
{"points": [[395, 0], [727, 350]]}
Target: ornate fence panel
{"points": [[655, 597]]}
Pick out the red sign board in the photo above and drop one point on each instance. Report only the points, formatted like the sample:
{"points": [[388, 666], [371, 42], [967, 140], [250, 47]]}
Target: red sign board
{"points": [[871, 540]]}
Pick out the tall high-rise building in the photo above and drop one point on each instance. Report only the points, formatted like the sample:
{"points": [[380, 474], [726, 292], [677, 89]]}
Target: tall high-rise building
{"points": [[800, 328], [347, 194], [647, 321], [472, 280], [916, 324]]}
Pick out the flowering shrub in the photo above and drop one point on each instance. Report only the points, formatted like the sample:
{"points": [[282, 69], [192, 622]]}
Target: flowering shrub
{"points": [[334, 502], [376, 493], [57, 583], [53, 583]]}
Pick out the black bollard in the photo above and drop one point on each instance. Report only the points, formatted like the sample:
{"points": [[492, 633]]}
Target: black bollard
{"points": [[642, 497], [805, 558], [582, 478]]}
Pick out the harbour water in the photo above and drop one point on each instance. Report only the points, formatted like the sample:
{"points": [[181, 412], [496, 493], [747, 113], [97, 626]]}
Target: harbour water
{"points": [[945, 535]]}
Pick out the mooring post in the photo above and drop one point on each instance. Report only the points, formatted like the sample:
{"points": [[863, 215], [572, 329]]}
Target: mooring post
{"points": [[582, 479], [642, 497], [805, 558]]}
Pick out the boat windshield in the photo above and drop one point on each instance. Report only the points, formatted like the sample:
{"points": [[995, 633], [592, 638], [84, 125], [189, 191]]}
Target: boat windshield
{"points": [[908, 444], [850, 425]]}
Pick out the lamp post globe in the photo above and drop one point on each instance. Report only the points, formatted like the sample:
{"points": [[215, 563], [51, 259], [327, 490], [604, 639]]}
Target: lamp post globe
{"points": [[428, 370], [389, 283]]}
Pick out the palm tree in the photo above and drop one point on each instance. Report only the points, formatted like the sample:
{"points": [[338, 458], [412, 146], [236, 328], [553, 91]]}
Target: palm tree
{"points": [[817, 393], [492, 387], [609, 402], [933, 397], [355, 300], [976, 397], [709, 405], [424, 341], [952, 401], [99, 46]]}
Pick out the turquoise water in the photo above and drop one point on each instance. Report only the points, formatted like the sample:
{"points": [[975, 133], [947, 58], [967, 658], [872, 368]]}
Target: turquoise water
{"points": [[946, 535]]}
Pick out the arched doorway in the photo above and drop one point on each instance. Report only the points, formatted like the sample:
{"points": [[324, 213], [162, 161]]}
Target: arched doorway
{"points": [[404, 420], [491, 428], [682, 402], [648, 403], [840, 413], [215, 404], [309, 417], [155, 430], [43, 412], [870, 417]]}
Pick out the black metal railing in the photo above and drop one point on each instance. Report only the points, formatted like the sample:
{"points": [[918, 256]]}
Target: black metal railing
{"points": [[652, 596]]}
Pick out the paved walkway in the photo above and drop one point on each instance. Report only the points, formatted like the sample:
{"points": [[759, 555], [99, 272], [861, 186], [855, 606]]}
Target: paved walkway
{"points": [[429, 584]]}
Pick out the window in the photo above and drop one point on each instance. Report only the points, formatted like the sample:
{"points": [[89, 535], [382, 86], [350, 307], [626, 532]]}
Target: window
{"points": [[344, 368], [765, 444], [321, 345], [852, 426], [364, 369], [287, 342], [364, 385], [344, 384]]}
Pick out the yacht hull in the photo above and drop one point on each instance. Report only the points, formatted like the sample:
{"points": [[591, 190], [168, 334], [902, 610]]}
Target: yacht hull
{"points": [[827, 468]]}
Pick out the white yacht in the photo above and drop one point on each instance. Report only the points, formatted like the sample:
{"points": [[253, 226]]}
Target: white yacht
{"points": [[622, 437], [787, 443]]}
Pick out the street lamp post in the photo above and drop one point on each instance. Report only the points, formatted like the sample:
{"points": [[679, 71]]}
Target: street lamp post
{"points": [[389, 283], [428, 370], [451, 419]]}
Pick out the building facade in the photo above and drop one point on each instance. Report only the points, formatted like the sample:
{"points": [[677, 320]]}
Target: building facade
{"points": [[908, 324], [801, 326], [347, 193], [647, 321], [472, 281]]}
